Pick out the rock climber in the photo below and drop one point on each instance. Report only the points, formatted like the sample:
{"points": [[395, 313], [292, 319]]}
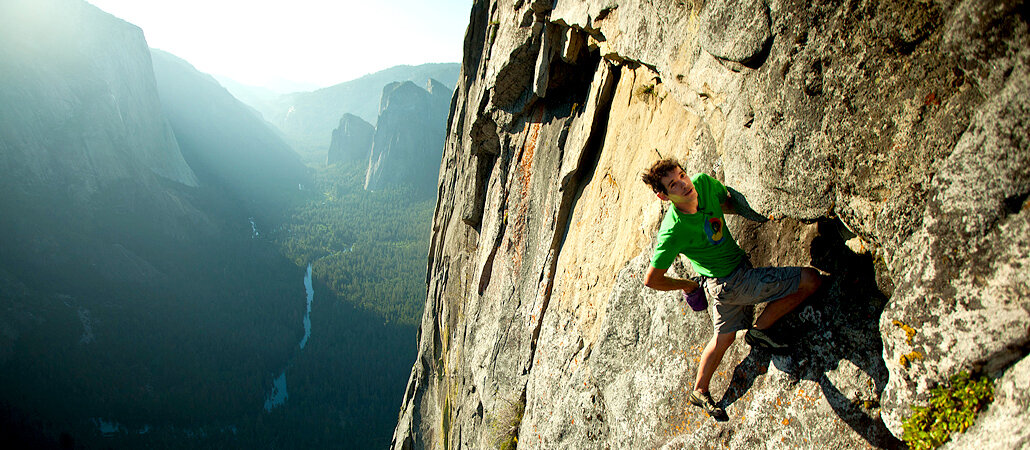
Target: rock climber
{"points": [[694, 226]]}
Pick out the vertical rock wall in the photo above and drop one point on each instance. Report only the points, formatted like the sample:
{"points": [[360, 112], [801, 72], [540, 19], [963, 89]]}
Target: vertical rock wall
{"points": [[88, 110], [352, 141], [85, 147], [408, 136], [885, 141]]}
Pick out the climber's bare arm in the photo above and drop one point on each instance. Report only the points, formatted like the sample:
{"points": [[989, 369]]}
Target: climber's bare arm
{"points": [[657, 280]]}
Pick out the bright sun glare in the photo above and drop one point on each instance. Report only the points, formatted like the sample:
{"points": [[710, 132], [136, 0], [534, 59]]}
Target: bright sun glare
{"points": [[314, 42]]}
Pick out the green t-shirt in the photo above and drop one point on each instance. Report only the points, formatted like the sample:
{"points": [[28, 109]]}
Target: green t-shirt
{"points": [[702, 236]]}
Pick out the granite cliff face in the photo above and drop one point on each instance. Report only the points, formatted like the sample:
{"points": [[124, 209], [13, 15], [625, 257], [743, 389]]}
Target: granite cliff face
{"points": [[84, 144], [409, 136], [85, 48], [883, 143], [352, 140]]}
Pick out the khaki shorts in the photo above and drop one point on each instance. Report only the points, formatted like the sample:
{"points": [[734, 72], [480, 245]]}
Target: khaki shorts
{"points": [[733, 295]]}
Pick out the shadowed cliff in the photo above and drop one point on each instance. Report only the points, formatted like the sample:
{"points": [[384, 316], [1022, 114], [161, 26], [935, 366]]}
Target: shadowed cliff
{"points": [[131, 290], [352, 141], [226, 143]]}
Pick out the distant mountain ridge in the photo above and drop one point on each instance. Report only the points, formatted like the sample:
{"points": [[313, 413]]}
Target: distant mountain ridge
{"points": [[225, 141], [308, 119]]}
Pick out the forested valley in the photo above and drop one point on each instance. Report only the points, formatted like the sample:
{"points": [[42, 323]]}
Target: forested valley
{"points": [[155, 246], [190, 364], [370, 248]]}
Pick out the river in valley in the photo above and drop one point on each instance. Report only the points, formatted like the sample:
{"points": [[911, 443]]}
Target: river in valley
{"points": [[278, 396]]}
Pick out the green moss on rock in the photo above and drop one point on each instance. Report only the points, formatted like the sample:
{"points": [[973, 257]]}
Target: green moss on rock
{"points": [[952, 408]]}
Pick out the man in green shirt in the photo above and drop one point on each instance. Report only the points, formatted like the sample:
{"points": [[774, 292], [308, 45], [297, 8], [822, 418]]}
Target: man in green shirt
{"points": [[694, 226]]}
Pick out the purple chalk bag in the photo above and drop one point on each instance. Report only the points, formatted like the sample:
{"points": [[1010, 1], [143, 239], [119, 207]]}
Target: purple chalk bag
{"points": [[696, 299]]}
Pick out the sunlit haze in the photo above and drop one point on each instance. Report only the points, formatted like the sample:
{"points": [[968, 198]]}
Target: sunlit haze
{"points": [[313, 42]]}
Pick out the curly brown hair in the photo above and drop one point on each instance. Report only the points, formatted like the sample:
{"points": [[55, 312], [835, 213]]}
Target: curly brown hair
{"points": [[653, 176]]}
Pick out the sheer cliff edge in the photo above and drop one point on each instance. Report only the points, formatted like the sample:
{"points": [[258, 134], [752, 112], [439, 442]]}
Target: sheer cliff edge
{"points": [[883, 143]]}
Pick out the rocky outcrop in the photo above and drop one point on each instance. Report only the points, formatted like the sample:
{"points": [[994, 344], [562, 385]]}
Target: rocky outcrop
{"points": [[409, 136], [352, 141], [882, 143]]}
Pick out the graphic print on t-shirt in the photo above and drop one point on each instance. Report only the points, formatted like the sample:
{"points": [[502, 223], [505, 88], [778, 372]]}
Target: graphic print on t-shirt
{"points": [[713, 229]]}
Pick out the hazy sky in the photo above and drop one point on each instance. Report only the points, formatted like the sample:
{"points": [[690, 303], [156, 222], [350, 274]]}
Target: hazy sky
{"points": [[322, 42]]}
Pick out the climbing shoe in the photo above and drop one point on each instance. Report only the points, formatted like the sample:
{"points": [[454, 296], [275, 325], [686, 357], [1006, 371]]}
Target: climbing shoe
{"points": [[760, 339], [704, 401]]}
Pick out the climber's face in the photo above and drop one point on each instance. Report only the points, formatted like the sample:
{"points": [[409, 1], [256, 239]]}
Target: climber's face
{"points": [[679, 190]]}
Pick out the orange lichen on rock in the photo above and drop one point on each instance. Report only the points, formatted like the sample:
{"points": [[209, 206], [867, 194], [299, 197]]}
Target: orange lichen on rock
{"points": [[810, 399], [909, 331], [905, 359]]}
